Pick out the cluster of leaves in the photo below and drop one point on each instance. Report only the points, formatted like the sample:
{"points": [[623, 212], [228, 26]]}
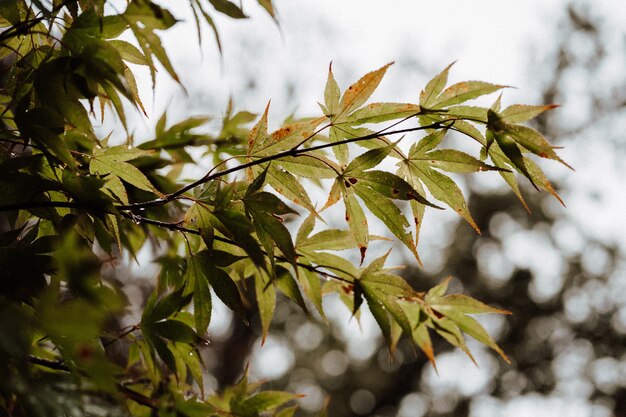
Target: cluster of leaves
{"points": [[72, 203]]}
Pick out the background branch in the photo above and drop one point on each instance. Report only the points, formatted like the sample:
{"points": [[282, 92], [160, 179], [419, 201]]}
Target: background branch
{"points": [[131, 394]]}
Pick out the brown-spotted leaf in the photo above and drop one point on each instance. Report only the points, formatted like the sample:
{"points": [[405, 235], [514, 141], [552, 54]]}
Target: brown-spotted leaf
{"points": [[258, 134], [358, 93], [390, 185], [334, 195], [288, 137]]}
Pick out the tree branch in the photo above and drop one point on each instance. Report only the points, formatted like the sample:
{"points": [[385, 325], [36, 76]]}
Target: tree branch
{"points": [[21, 28], [131, 394], [138, 397], [26, 205], [209, 177], [56, 365], [291, 152]]}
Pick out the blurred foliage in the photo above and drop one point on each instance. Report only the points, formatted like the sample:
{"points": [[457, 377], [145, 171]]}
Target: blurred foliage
{"points": [[74, 204]]}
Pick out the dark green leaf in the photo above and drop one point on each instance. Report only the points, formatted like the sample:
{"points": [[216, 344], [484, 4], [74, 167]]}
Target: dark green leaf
{"points": [[266, 223], [223, 285], [196, 281], [175, 330], [228, 8], [161, 347], [168, 305], [391, 186]]}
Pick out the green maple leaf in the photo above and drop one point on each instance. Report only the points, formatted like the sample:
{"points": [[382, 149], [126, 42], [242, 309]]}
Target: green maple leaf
{"points": [[338, 109], [457, 308], [377, 189], [113, 162], [435, 97], [422, 166]]}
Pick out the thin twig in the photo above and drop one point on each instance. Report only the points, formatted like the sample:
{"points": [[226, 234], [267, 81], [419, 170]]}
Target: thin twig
{"points": [[121, 335], [183, 229]]}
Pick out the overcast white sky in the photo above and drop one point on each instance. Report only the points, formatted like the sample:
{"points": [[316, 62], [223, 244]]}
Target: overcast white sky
{"points": [[490, 39]]}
